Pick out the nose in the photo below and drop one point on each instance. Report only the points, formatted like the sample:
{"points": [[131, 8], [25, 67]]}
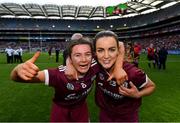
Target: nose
{"points": [[83, 58], [106, 54]]}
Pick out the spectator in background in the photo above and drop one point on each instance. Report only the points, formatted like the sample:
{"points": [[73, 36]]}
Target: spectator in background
{"points": [[16, 55], [151, 55], [129, 52], [50, 51], [20, 50], [137, 51], [57, 50], [162, 57], [75, 36], [156, 56], [9, 54]]}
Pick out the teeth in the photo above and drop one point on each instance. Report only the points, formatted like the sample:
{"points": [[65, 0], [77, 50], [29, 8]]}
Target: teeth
{"points": [[106, 62]]}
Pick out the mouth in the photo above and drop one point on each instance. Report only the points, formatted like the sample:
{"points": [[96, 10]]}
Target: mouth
{"points": [[106, 61], [84, 66]]}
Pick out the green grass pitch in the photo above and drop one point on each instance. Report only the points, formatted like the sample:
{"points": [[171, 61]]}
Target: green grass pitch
{"points": [[22, 102]]}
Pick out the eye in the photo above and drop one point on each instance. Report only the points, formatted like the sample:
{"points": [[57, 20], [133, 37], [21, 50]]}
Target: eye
{"points": [[77, 55], [100, 50], [89, 54], [112, 49]]}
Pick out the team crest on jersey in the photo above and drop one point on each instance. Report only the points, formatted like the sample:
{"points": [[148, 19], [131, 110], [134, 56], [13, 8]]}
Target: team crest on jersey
{"points": [[125, 84], [70, 86], [112, 83], [101, 76]]}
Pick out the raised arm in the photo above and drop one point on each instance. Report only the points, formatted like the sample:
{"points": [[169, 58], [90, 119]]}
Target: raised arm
{"points": [[28, 71], [118, 72]]}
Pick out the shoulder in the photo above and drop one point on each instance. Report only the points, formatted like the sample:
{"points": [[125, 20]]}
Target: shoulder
{"points": [[133, 72], [62, 68], [93, 63], [57, 71]]}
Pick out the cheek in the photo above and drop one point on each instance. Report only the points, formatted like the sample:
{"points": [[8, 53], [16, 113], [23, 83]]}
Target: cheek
{"points": [[75, 60], [114, 55], [98, 55]]}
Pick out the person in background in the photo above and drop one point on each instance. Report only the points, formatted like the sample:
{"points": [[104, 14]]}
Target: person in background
{"points": [[20, 54], [137, 51], [151, 55], [57, 50], [9, 54], [118, 103], [162, 57], [50, 51], [16, 55], [129, 54]]}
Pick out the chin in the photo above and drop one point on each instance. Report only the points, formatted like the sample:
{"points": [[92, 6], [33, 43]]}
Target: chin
{"points": [[83, 71], [106, 66]]}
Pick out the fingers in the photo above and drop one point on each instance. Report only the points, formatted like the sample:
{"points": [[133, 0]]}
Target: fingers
{"points": [[124, 88], [27, 70], [26, 75], [35, 57], [110, 77], [132, 85], [124, 91], [30, 66], [130, 92]]}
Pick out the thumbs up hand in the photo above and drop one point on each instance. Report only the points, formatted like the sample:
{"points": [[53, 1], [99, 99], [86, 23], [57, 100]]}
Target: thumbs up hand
{"points": [[27, 70]]}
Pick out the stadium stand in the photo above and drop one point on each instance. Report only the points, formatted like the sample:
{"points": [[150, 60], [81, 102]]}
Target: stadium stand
{"points": [[163, 25]]}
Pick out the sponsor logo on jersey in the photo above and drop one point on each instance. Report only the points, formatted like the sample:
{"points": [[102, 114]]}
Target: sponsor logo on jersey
{"points": [[125, 84], [112, 94], [70, 86], [112, 83], [101, 76], [78, 96], [100, 83]]}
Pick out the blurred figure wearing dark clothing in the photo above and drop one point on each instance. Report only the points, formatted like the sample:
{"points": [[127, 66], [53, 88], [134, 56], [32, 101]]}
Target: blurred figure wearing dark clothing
{"points": [[162, 57], [65, 54], [57, 53]]}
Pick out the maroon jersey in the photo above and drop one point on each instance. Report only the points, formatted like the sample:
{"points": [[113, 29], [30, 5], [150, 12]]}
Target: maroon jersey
{"points": [[70, 92], [107, 92]]}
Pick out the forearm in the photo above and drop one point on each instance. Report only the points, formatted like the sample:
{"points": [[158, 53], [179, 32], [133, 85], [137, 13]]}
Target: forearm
{"points": [[148, 89], [120, 58]]}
